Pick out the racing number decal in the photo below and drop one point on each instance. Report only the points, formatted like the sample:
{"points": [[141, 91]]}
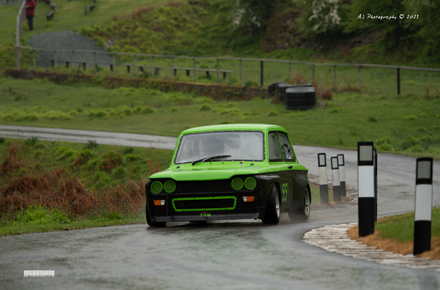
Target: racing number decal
{"points": [[284, 192]]}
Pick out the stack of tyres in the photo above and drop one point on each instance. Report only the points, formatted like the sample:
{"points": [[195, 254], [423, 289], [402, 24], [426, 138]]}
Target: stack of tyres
{"points": [[300, 98], [283, 87], [273, 88]]}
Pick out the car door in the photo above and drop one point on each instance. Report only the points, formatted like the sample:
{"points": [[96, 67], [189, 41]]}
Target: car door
{"points": [[294, 190], [278, 159]]}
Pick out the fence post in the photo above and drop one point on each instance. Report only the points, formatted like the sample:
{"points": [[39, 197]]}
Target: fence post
{"points": [[313, 73], [334, 76], [134, 64], [365, 188], [423, 205], [172, 65], [73, 58], [114, 64], [194, 69], [323, 183], [375, 183], [218, 70], [261, 73], [241, 79], [360, 77], [398, 81], [152, 66]]}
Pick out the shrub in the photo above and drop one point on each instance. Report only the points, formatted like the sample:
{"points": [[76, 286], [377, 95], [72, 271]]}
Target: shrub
{"points": [[272, 113], [91, 144], [119, 172], [99, 113], [411, 118], [205, 107], [110, 160], [386, 147], [383, 140], [56, 115], [132, 157], [146, 110], [416, 149], [372, 119], [127, 150], [409, 142]]}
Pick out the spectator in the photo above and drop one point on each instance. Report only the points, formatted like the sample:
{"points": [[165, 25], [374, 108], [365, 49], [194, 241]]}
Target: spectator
{"points": [[30, 12]]}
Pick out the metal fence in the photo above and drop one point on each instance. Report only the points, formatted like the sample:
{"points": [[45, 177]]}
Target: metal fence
{"points": [[262, 71]]}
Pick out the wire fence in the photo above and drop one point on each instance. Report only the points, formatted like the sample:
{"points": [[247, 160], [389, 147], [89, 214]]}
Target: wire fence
{"points": [[253, 71]]}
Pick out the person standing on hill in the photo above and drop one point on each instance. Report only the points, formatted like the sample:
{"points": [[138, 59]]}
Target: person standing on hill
{"points": [[30, 12]]}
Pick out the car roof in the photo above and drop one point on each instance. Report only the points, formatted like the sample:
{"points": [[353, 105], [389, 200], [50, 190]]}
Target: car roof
{"points": [[234, 127]]}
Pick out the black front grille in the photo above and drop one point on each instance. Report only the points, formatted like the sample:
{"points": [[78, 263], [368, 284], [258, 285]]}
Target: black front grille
{"points": [[210, 186], [202, 204]]}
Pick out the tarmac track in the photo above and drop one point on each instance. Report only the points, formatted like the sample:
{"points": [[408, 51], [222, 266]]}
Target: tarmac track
{"points": [[221, 255]]}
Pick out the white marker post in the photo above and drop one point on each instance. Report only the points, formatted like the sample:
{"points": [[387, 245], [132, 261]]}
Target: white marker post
{"points": [[336, 180], [341, 164], [375, 183], [323, 183], [423, 205], [366, 188]]}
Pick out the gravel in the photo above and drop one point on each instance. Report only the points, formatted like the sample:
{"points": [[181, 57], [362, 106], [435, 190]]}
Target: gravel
{"points": [[69, 40]]}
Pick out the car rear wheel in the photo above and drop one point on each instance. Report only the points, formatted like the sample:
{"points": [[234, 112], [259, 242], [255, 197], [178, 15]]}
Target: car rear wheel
{"points": [[152, 223], [303, 213], [273, 208]]}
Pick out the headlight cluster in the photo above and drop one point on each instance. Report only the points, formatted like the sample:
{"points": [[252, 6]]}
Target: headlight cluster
{"points": [[250, 183], [157, 187]]}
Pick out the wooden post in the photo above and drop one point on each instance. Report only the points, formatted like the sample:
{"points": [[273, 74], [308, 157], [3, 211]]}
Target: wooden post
{"points": [[313, 73], [194, 69], [152, 66], [134, 64], [84, 66], [73, 58], [218, 70], [172, 65], [261, 73], [334, 76], [398, 81], [241, 76], [114, 64], [360, 77]]}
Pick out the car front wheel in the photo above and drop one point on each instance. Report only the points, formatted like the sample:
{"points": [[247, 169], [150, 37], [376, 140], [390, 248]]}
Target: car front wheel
{"points": [[273, 208]]}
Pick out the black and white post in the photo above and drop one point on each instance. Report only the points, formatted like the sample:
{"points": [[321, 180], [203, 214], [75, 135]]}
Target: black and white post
{"points": [[341, 164], [375, 183], [366, 188], [336, 180], [423, 205], [323, 183]]}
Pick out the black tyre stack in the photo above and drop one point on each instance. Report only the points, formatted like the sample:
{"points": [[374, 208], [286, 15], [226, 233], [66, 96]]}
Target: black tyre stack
{"points": [[273, 88], [300, 98]]}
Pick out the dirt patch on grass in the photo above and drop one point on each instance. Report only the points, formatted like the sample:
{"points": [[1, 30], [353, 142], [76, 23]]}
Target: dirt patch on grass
{"points": [[390, 245]]}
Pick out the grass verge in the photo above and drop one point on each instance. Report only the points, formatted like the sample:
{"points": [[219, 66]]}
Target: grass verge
{"points": [[396, 234], [48, 186]]}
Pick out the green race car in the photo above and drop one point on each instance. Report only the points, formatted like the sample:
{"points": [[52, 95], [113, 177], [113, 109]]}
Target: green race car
{"points": [[228, 172]]}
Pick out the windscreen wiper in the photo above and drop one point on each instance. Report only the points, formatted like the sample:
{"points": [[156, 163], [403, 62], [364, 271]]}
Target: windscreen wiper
{"points": [[210, 158]]}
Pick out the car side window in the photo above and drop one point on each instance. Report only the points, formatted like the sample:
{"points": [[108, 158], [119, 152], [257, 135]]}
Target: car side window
{"points": [[274, 148], [286, 148]]}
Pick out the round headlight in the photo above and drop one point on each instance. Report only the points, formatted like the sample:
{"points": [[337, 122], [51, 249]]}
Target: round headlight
{"points": [[169, 186], [156, 187], [250, 183], [237, 183]]}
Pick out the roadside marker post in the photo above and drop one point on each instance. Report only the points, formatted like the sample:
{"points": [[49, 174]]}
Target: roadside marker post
{"points": [[341, 165], [323, 183], [375, 183], [366, 188], [336, 180], [423, 205]]}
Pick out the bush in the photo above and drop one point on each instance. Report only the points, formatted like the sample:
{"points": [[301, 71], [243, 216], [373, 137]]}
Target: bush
{"points": [[409, 142], [272, 113], [383, 140], [99, 113], [416, 149], [205, 107], [386, 147]]}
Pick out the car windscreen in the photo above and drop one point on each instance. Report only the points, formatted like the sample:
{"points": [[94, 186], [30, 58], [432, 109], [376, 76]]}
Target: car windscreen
{"points": [[243, 146]]}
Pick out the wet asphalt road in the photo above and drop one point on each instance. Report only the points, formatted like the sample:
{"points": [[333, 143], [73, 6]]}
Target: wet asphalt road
{"points": [[220, 255]]}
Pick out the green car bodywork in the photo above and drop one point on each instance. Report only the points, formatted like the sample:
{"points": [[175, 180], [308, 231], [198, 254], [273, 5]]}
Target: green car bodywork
{"points": [[260, 179]]}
